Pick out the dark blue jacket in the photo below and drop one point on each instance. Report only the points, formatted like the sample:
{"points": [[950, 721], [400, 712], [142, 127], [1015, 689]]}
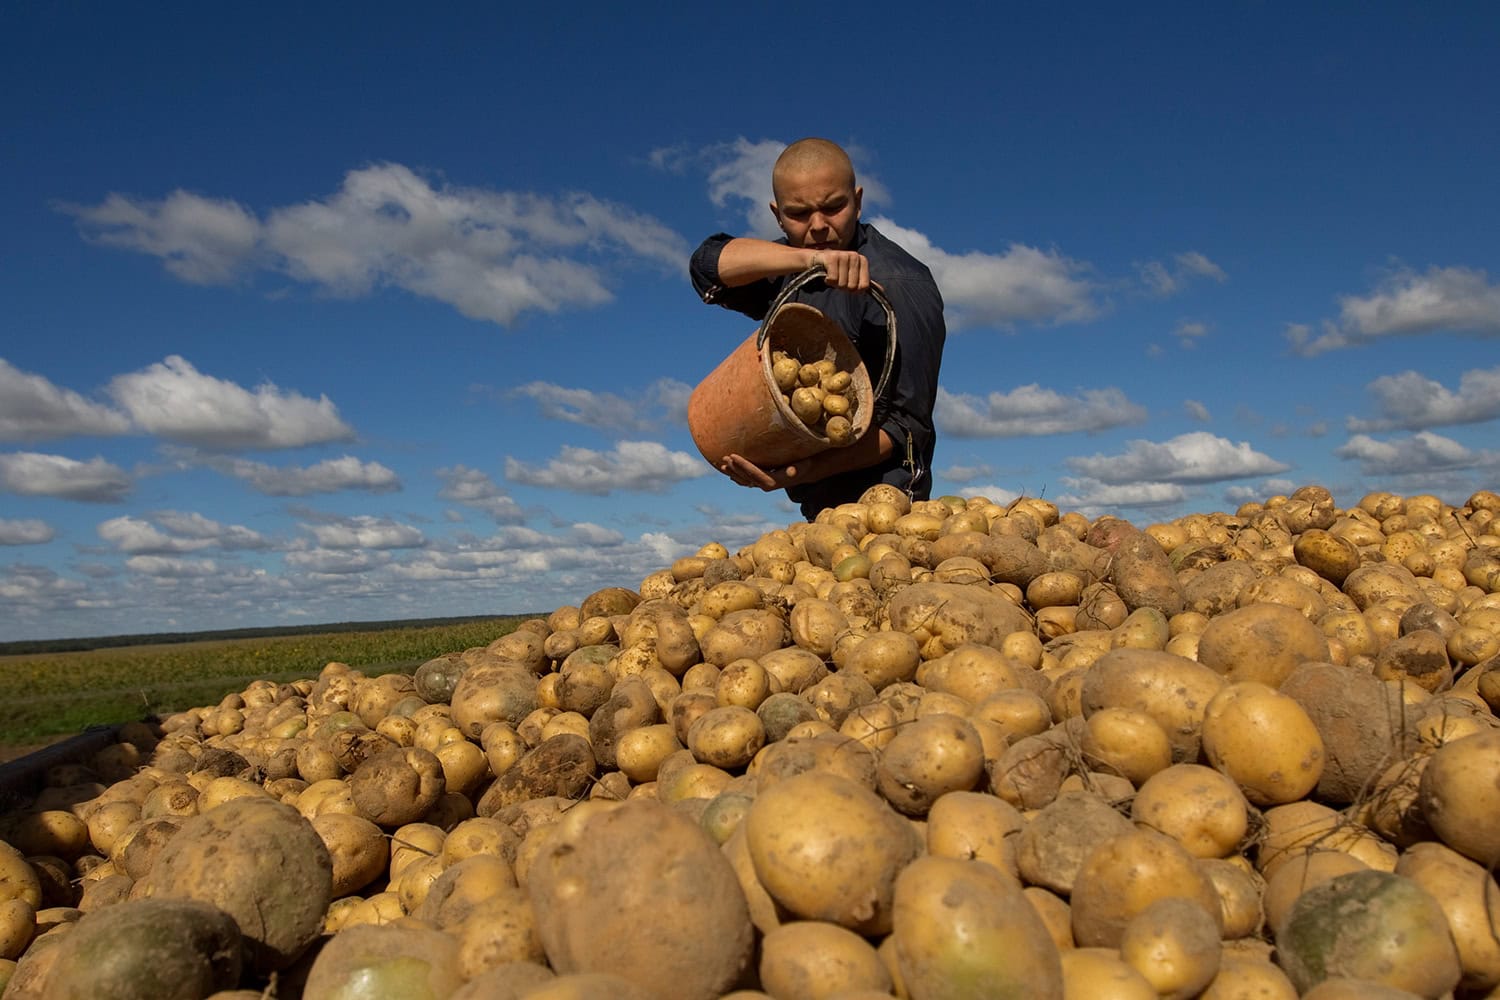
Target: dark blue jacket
{"points": [[920, 331]]}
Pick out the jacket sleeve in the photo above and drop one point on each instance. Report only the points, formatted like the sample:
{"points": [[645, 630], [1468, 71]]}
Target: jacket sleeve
{"points": [[753, 299]]}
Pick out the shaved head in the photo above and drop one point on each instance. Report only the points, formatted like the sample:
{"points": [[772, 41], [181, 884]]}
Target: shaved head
{"points": [[806, 156]]}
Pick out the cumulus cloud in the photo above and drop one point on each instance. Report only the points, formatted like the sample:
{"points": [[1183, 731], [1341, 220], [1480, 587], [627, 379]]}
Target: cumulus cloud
{"points": [[32, 408], [176, 532], [1089, 496], [337, 562], [994, 494], [1189, 332], [34, 591], [171, 567], [1406, 303], [32, 474], [966, 473], [1196, 410], [1196, 457], [1031, 411], [331, 475], [174, 400], [1423, 452], [1236, 495], [1412, 401], [476, 489], [366, 532], [27, 531], [205, 241], [1165, 279], [1021, 285], [490, 254], [665, 399], [631, 467]]}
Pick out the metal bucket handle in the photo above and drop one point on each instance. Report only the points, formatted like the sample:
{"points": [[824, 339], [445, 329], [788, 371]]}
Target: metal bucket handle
{"points": [[876, 293]]}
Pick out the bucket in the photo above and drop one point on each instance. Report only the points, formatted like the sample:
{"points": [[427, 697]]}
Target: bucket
{"points": [[738, 409]]}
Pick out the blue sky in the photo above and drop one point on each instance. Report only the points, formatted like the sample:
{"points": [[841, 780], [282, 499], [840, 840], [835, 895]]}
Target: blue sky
{"points": [[313, 316]]}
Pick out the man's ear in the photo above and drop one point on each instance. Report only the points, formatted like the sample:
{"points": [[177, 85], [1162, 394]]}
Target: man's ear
{"points": [[859, 200], [775, 212]]}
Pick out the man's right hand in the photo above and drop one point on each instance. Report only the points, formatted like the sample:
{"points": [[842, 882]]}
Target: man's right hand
{"points": [[846, 269]]}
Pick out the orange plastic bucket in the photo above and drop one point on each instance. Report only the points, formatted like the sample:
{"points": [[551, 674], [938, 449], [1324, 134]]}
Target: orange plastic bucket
{"points": [[737, 409]]}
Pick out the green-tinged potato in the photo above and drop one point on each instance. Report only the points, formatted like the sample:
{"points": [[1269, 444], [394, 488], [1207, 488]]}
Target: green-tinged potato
{"points": [[827, 848], [385, 961], [816, 959], [1369, 925], [594, 914], [147, 949], [260, 862], [1265, 741], [962, 930]]}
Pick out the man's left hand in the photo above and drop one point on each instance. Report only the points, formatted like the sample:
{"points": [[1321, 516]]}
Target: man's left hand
{"points": [[746, 473]]}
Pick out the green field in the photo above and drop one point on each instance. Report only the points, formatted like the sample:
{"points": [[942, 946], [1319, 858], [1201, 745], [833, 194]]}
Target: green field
{"points": [[46, 695]]}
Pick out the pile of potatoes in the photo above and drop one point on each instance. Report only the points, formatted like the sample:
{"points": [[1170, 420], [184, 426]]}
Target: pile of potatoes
{"points": [[819, 394], [936, 750]]}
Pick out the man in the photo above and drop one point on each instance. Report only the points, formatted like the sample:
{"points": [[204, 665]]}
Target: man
{"points": [[817, 205]]}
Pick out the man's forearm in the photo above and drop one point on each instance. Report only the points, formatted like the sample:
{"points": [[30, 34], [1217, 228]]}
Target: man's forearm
{"points": [[744, 260], [872, 449]]}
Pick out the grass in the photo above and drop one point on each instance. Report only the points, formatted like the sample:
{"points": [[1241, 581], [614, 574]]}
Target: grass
{"points": [[46, 695]]}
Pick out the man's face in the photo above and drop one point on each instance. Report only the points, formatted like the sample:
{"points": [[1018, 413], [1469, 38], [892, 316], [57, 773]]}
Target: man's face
{"points": [[818, 208]]}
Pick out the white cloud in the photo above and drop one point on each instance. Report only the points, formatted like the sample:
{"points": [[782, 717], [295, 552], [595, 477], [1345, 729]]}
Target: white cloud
{"points": [[1091, 496], [1164, 280], [175, 532], [473, 488], [1196, 410], [32, 408], [328, 476], [605, 411], [366, 532], [1188, 333], [205, 241], [631, 467], [337, 562], [170, 567], [1196, 457], [1412, 401], [33, 474], [32, 592], [965, 473], [29, 531], [173, 400], [1406, 303], [1031, 411], [994, 494], [1236, 495], [490, 254], [1424, 452], [1021, 285]]}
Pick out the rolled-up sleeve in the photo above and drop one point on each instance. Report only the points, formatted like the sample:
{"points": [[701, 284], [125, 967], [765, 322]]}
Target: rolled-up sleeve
{"points": [[752, 300]]}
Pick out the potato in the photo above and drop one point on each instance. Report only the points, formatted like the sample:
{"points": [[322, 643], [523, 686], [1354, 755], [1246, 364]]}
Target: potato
{"points": [[882, 658], [1264, 741], [1460, 796], [147, 949], [726, 737], [1101, 974], [1361, 721], [486, 694], [1245, 978], [1173, 943], [1143, 575], [385, 961], [944, 616], [1369, 925], [1196, 806], [927, 759], [743, 634], [1240, 889], [1299, 873], [1127, 742], [1470, 900], [1052, 845], [974, 825], [1124, 875], [827, 848], [1261, 642], [398, 786], [279, 881], [562, 765], [1172, 690], [357, 848], [815, 959], [595, 915], [18, 879], [962, 929]]}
